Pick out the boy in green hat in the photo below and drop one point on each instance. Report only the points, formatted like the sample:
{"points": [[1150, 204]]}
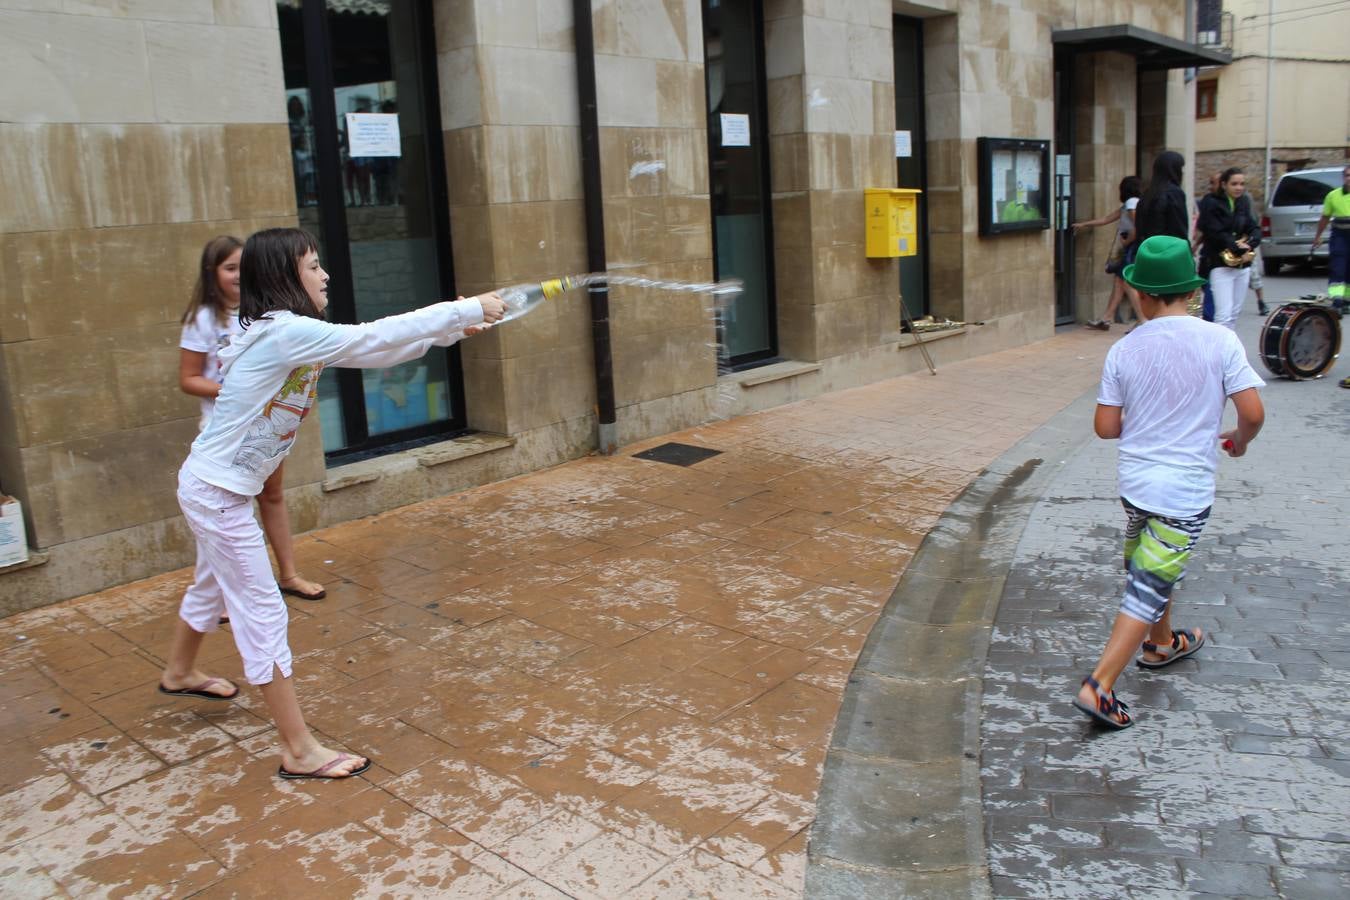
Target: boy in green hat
{"points": [[1162, 394]]}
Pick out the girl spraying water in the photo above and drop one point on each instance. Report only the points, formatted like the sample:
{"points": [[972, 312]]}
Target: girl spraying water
{"points": [[271, 373], [210, 321]]}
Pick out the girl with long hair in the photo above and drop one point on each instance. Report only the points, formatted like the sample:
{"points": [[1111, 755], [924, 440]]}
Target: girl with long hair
{"points": [[1162, 208], [1230, 235], [1122, 253], [271, 375], [209, 322]]}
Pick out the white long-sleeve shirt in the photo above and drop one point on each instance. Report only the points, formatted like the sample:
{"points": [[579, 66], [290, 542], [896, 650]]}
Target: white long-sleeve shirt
{"points": [[271, 377]]}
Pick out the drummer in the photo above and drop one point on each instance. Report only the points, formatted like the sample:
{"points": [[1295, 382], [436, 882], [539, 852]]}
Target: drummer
{"points": [[1336, 213]]}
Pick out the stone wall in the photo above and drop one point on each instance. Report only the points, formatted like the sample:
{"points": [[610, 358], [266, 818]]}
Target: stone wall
{"points": [[130, 133], [1253, 162], [1105, 150]]}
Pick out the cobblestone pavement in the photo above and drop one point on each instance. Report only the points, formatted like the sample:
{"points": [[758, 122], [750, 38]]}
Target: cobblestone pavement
{"points": [[612, 678], [1235, 780]]}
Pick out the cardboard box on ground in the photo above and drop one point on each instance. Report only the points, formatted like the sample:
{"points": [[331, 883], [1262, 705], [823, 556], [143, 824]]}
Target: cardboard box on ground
{"points": [[13, 540]]}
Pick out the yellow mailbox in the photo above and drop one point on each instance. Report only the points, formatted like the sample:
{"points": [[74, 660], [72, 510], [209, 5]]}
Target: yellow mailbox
{"points": [[892, 221]]}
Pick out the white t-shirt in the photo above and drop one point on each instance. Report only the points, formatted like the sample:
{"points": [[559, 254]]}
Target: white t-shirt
{"points": [[1172, 376], [271, 377], [207, 334], [1125, 224]]}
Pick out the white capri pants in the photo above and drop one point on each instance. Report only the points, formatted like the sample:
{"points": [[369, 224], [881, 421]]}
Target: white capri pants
{"points": [[1229, 287], [233, 575]]}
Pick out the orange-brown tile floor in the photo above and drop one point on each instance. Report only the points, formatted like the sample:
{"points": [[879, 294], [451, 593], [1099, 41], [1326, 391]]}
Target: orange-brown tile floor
{"points": [[612, 678]]}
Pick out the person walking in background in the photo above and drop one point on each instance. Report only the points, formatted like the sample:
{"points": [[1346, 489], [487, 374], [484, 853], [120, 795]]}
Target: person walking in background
{"points": [[1336, 214], [209, 322], [1162, 395], [1122, 250], [271, 381], [1207, 294], [1162, 208], [1229, 237]]}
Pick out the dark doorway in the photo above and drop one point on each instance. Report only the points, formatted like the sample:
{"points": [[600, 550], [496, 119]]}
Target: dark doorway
{"points": [[738, 165], [911, 160], [362, 101]]}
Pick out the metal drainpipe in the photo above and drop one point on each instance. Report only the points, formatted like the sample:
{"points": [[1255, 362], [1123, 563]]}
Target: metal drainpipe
{"points": [[584, 31]]}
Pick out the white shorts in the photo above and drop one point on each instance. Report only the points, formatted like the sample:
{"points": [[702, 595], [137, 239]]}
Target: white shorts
{"points": [[234, 576]]}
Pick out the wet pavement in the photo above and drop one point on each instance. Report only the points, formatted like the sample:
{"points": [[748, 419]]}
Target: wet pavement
{"points": [[622, 678], [1235, 780], [617, 677]]}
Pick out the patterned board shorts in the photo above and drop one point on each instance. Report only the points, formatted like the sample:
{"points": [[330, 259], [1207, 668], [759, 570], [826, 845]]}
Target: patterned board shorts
{"points": [[1157, 549]]}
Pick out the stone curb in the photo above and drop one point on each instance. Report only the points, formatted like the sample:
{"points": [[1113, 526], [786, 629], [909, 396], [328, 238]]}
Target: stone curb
{"points": [[899, 812]]}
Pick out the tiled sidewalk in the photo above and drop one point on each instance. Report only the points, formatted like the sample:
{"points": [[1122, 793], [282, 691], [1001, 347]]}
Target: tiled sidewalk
{"points": [[613, 678]]}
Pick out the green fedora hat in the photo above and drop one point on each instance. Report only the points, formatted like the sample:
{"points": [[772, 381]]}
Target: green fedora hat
{"points": [[1163, 265]]}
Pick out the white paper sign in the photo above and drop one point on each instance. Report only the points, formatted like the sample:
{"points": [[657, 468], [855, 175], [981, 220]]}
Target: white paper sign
{"points": [[735, 130], [903, 144], [1062, 164], [373, 134]]}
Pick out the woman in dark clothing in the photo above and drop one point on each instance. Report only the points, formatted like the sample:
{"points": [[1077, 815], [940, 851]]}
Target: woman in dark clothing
{"points": [[1227, 224], [1162, 209]]}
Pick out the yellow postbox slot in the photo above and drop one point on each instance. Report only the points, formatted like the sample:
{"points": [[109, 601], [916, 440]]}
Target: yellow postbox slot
{"points": [[892, 221]]}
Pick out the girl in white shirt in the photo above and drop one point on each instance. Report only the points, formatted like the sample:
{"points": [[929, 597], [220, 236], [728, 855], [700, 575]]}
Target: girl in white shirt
{"points": [[1123, 251], [210, 321], [271, 374]]}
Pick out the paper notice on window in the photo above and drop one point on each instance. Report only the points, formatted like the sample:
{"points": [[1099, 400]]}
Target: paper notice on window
{"points": [[735, 130], [373, 134], [904, 144]]}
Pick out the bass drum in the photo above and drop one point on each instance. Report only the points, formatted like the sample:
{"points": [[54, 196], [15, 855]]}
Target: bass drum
{"points": [[1300, 340]]}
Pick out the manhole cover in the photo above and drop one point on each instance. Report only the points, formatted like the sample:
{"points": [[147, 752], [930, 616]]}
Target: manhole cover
{"points": [[677, 454]]}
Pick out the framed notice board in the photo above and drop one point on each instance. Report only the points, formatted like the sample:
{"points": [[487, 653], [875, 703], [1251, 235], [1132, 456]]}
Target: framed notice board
{"points": [[1014, 185]]}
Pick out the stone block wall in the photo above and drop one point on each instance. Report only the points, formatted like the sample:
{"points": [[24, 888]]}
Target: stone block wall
{"points": [[130, 133], [1105, 147], [1253, 162], [831, 104], [510, 112]]}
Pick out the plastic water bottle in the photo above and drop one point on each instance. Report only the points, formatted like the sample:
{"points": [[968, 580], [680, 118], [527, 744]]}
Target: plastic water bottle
{"points": [[520, 299]]}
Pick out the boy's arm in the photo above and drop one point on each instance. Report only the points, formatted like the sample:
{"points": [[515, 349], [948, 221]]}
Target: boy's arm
{"points": [[1251, 416], [1106, 422]]}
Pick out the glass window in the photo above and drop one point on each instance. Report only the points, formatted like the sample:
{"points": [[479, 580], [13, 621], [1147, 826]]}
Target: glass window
{"points": [[369, 181], [1306, 190], [1207, 99], [739, 167]]}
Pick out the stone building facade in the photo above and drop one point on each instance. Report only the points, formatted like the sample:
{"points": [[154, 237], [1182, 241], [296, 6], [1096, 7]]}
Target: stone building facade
{"points": [[1288, 88], [133, 130]]}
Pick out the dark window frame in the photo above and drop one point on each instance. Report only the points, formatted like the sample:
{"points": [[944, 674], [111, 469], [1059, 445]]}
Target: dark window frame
{"points": [[360, 444], [760, 144], [986, 147], [1208, 89]]}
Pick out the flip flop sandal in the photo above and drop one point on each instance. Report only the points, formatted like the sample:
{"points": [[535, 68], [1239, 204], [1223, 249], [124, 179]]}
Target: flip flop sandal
{"points": [[201, 690], [1193, 643], [292, 592], [1109, 712], [321, 773]]}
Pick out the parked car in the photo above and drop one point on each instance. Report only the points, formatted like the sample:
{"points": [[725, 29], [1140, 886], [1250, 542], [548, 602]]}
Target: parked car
{"points": [[1290, 221]]}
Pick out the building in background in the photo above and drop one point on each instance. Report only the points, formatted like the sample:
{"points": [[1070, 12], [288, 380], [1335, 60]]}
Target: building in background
{"points": [[1284, 100], [435, 146]]}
